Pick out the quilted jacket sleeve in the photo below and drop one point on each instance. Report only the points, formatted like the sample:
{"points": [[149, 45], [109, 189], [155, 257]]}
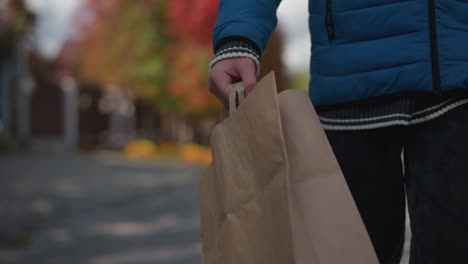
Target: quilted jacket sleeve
{"points": [[254, 20]]}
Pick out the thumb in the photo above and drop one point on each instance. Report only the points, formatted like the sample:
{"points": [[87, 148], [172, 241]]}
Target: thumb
{"points": [[247, 72]]}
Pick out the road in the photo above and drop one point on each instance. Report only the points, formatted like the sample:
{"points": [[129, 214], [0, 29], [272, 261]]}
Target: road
{"points": [[98, 209]]}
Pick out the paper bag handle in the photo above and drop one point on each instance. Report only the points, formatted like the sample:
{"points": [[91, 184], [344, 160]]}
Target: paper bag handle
{"points": [[235, 90]]}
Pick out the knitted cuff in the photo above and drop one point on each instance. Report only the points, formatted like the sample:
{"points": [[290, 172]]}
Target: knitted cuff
{"points": [[236, 49]]}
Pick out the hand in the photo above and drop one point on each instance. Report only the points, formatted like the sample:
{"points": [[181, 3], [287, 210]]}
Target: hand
{"points": [[229, 71]]}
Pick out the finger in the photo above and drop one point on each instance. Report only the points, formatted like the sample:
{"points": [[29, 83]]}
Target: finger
{"points": [[220, 86], [247, 73]]}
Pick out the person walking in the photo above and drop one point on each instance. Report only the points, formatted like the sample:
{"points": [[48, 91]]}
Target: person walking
{"points": [[389, 81]]}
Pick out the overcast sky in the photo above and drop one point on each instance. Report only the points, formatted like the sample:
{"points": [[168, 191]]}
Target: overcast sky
{"points": [[55, 26]]}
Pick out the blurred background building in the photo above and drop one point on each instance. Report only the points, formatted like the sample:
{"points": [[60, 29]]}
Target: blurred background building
{"points": [[16, 22]]}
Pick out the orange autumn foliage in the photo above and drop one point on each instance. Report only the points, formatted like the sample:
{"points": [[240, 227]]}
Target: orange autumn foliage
{"points": [[193, 19], [188, 153]]}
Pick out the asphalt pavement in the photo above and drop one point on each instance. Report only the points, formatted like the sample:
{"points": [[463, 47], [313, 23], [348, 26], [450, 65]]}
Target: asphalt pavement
{"points": [[98, 209]]}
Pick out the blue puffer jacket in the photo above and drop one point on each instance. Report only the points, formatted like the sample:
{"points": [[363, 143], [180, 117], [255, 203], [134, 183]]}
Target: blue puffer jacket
{"points": [[367, 48]]}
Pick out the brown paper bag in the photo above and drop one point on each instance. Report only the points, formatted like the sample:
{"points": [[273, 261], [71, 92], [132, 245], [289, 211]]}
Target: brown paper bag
{"points": [[274, 193]]}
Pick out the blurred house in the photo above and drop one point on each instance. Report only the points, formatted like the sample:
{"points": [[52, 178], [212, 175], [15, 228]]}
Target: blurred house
{"points": [[16, 87], [47, 110], [15, 80], [92, 116]]}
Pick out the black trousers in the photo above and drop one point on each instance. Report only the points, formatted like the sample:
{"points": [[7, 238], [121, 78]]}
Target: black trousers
{"points": [[434, 175]]}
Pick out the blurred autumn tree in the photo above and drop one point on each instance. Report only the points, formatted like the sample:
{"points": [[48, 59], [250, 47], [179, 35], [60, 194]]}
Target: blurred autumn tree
{"points": [[159, 50]]}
